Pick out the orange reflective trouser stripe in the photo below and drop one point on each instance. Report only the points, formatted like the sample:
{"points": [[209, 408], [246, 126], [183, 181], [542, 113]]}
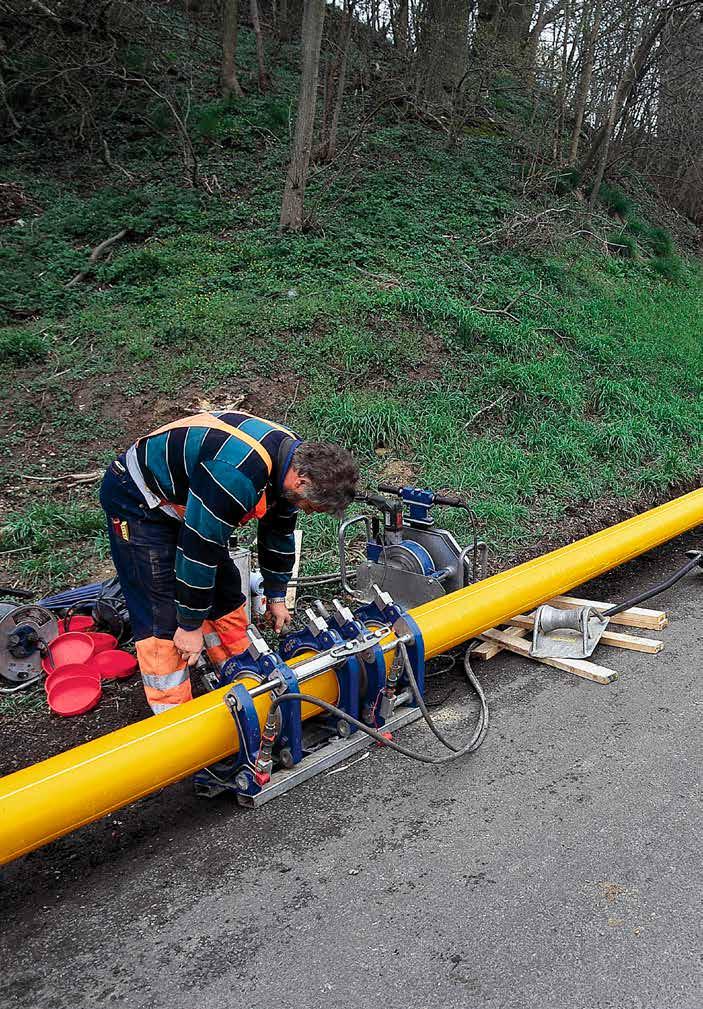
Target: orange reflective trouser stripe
{"points": [[165, 675], [226, 636]]}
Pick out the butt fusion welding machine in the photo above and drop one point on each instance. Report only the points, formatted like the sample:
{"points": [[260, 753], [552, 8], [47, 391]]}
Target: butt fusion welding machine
{"points": [[381, 676]]}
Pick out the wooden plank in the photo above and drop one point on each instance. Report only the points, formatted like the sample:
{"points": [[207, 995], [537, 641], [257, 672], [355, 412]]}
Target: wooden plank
{"points": [[580, 667], [489, 648], [636, 616], [649, 645]]}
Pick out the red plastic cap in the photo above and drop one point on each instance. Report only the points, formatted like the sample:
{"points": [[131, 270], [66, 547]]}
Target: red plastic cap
{"points": [[103, 642], [261, 778], [114, 664], [68, 648], [70, 672], [80, 622], [74, 695]]}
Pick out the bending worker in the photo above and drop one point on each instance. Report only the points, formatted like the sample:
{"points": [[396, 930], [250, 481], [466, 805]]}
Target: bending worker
{"points": [[173, 501]]}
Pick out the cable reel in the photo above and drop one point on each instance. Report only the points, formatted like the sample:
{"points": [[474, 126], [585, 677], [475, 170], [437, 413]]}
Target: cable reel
{"points": [[25, 633]]}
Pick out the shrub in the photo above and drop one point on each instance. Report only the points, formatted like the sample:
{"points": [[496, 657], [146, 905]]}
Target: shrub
{"points": [[661, 242], [622, 244], [567, 181], [21, 346], [615, 200], [670, 267]]}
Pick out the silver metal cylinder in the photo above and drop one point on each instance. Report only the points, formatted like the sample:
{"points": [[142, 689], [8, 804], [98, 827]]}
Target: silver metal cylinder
{"points": [[241, 556]]}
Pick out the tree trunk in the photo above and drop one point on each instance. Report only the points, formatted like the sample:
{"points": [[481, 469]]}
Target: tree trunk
{"points": [[635, 67], [230, 27], [561, 90], [503, 21], [283, 20], [296, 175], [583, 87], [330, 146], [443, 48], [400, 23], [260, 55], [604, 149]]}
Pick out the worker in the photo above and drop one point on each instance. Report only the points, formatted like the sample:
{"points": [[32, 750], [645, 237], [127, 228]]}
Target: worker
{"points": [[174, 499]]}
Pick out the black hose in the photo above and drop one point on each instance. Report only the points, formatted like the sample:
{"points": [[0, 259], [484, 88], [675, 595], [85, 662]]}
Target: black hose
{"points": [[482, 722], [477, 736], [7, 590], [696, 561]]}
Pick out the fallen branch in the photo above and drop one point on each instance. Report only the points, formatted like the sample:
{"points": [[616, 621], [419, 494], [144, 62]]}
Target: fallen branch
{"points": [[77, 479], [520, 222], [96, 254], [489, 406], [496, 311], [384, 278]]}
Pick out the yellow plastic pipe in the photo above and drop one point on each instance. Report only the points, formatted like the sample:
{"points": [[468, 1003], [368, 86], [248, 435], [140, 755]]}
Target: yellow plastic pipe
{"points": [[452, 619], [56, 796]]}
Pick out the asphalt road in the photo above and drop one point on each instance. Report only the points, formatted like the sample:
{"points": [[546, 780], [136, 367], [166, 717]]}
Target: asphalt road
{"points": [[558, 867]]}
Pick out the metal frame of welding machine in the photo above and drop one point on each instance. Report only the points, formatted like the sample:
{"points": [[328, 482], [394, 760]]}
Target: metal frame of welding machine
{"points": [[357, 646]]}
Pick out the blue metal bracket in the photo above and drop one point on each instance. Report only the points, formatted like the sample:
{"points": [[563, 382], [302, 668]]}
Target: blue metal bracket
{"points": [[290, 737], [386, 610], [235, 774], [419, 503], [405, 626], [320, 639]]}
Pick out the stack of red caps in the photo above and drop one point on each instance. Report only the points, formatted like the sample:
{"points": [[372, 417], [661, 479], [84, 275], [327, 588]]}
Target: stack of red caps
{"points": [[78, 660]]}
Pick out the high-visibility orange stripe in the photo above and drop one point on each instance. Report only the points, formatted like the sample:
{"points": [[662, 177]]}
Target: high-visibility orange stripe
{"points": [[209, 420]]}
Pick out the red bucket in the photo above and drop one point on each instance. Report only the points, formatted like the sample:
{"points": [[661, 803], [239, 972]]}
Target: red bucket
{"points": [[68, 648]]}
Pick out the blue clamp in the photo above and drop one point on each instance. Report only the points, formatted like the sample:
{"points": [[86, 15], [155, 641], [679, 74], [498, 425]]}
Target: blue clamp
{"points": [[372, 664], [405, 626], [235, 774], [318, 636], [382, 610], [387, 611], [261, 662]]}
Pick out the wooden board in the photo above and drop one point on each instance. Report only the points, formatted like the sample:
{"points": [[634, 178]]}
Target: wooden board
{"points": [[636, 616], [580, 667], [488, 649], [649, 645]]}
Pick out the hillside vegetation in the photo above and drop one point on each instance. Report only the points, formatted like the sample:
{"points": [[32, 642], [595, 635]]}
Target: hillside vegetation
{"points": [[451, 323]]}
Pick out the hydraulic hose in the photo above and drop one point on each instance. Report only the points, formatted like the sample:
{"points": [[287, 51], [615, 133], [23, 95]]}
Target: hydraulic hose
{"points": [[473, 744], [695, 561], [482, 721]]}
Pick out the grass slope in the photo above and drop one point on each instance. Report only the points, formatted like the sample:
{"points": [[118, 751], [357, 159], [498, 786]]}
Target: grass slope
{"points": [[384, 328]]}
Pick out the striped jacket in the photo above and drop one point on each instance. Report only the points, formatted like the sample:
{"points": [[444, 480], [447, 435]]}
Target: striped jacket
{"points": [[215, 471]]}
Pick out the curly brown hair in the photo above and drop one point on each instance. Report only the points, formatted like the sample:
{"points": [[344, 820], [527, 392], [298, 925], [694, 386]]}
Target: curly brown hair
{"points": [[332, 472]]}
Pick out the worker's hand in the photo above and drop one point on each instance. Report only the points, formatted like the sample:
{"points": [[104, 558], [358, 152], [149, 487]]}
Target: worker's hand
{"points": [[189, 644], [278, 614]]}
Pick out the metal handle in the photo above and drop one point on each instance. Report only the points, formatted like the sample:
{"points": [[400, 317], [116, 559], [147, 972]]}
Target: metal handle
{"points": [[343, 548]]}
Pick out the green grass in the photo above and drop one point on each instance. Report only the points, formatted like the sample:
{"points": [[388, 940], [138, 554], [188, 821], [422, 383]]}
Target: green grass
{"points": [[382, 327], [53, 541]]}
